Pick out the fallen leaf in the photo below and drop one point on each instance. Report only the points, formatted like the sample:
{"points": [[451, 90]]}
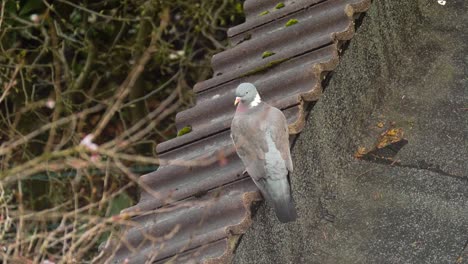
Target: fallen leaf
{"points": [[390, 136], [360, 152]]}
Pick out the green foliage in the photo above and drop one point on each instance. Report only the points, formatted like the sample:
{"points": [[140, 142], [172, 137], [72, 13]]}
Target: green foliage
{"points": [[238, 9], [291, 22], [264, 13], [30, 6], [267, 54], [119, 203], [69, 69]]}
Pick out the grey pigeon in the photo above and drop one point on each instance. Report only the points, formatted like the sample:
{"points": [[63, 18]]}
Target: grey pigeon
{"points": [[260, 134]]}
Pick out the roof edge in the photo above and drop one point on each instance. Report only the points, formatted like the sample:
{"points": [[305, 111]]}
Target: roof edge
{"points": [[234, 232]]}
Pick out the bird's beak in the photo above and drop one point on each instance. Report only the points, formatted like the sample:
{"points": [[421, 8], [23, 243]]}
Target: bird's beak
{"points": [[237, 100]]}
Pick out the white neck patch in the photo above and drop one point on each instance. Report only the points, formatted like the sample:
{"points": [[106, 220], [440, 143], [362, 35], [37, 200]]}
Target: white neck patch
{"points": [[256, 100]]}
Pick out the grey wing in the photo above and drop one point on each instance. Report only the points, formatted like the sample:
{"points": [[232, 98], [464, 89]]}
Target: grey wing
{"points": [[278, 186], [264, 150], [280, 135], [250, 147], [277, 192]]}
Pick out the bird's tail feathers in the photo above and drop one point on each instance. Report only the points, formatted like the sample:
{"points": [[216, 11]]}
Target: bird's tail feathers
{"points": [[285, 209], [282, 202], [278, 195]]}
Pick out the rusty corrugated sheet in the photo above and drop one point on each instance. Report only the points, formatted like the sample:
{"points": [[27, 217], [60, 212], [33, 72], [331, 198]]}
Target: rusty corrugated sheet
{"points": [[198, 203]]}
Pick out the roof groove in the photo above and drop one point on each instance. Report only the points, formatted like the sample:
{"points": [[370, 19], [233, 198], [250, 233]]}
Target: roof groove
{"points": [[277, 15], [203, 118], [232, 206], [248, 54], [216, 132], [206, 196], [283, 61], [290, 7], [190, 252], [309, 28], [143, 206]]}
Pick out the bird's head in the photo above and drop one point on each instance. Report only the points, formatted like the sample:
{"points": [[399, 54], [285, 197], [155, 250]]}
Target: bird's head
{"points": [[247, 94]]}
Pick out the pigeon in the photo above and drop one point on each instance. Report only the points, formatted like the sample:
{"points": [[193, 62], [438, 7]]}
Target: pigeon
{"points": [[260, 135]]}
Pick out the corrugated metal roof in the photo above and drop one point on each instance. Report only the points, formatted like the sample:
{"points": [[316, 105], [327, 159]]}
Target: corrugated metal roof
{"points": [[198, 202]]}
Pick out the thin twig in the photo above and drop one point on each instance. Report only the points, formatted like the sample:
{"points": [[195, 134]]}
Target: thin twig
{"points": [[11, 83], [97, 13], [133, 76], [57, 79], [10, 145], [1, 13], [143, 121], [79, 82]]}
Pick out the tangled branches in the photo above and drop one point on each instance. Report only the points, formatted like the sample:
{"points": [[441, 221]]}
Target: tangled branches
{"points": [[86, 91]]}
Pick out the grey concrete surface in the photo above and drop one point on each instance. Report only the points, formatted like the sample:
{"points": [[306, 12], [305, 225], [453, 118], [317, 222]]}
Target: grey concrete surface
{"points": [[407, 68]]}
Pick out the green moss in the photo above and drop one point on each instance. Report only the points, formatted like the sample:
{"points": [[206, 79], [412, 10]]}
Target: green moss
{"points": [[264, 13], [184, 130], [291, 22], [264, 68], [267, 54], [279, 6]]}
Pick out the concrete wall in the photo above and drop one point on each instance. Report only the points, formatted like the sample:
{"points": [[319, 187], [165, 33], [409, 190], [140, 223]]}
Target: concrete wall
{"points": [[405, 68]]}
